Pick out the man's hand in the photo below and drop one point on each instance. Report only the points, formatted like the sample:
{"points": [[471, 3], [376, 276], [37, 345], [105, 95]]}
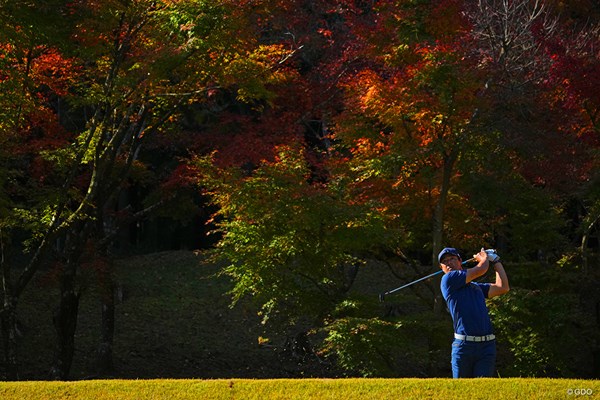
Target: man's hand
{"points": [[481, 268], [481, 256], [492, 256]]}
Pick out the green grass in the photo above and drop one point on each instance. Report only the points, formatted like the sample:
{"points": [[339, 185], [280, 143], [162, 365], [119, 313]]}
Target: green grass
{"points": [[347, 389]]}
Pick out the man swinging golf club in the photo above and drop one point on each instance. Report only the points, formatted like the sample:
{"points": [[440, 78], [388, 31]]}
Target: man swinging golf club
{"points": [[474, 345]]}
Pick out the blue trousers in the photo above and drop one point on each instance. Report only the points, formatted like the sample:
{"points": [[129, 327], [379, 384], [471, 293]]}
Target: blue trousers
{"points": [[473, 359]]}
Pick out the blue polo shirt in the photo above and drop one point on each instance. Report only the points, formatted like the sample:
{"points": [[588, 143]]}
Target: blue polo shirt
{"points": [[466, 302]]}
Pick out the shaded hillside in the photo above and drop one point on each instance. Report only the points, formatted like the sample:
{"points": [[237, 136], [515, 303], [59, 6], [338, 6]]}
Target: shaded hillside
{"points": [[172, 320]]}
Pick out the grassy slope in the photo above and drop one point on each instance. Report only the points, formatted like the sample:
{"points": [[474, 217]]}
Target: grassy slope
{"points": [[174, 321], [347, 389]]}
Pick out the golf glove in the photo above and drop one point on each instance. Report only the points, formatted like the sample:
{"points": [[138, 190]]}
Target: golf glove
{"points": [[492, 256]]}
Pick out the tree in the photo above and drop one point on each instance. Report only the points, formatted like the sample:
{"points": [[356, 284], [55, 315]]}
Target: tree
{"points": [[359, 127], [572, 84], [271, 238], [135, 64], [420, 86], [293, 244], [32, 72]]}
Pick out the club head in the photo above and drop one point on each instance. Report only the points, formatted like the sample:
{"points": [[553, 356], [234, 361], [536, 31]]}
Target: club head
{"points": [[381, 297]]}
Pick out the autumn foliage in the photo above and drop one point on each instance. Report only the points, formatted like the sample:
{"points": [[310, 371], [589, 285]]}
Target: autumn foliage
{"points": [[324, 134]]}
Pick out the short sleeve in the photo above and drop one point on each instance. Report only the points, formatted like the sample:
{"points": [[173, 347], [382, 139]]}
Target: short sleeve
{"points": [[453, 281], [485, 288]]}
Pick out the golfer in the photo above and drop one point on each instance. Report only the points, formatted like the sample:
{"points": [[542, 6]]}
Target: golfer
{"points": [[474, 345]]}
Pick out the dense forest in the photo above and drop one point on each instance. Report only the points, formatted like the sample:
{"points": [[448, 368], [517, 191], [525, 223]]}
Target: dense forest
{"points": [[297, 144]]}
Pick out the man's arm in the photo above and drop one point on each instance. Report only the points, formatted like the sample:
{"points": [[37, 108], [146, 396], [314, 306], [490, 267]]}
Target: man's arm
{"points": [[501, 285], [481, 268]]}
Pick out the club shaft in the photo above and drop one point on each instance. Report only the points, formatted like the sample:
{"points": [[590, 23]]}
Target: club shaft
{"points": [[422, 279], [413, 282]]}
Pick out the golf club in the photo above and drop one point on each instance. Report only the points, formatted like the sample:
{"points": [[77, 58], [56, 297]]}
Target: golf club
{"points": [[382, 295]]}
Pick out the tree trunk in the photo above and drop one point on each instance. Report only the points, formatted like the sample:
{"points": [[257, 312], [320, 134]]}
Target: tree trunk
{"points": [[65, 324], [587, 231], [9, 318], [9, 336], [438, 220], [104, 362], [584, 252]]}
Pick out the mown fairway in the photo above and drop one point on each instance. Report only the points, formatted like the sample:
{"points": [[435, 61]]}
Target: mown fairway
{"points": [[347, 389]]}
